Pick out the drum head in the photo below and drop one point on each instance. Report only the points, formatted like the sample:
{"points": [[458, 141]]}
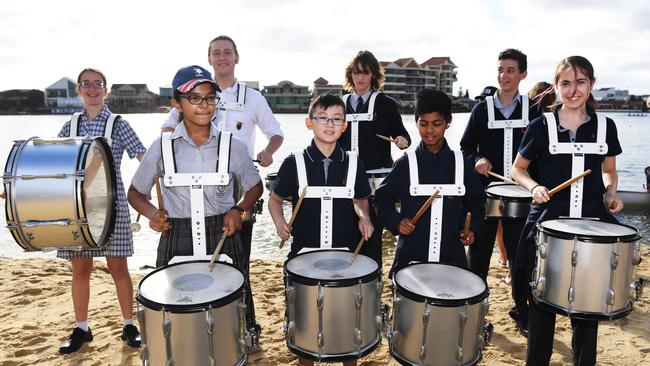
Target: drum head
{"points": [[590, 230], [441, 284], [508, 190], [99, 191], [331, 267], [190, 285]]}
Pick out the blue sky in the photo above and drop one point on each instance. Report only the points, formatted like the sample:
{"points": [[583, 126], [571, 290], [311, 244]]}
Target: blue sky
{"points": [[147, 41]]}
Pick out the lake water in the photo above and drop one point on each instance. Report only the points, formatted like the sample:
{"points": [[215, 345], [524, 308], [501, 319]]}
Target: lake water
{"points": [[632, 134]]}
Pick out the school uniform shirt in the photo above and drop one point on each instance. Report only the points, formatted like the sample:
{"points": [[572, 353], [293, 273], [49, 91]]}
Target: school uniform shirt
{"points": [[306, 227], [123, 138], [480, 141], [256, 112], [437, 168], [373, 151], [190, 158]]}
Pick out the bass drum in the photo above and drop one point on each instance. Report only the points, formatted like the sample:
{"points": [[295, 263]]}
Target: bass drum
{"points": [[61, 193], [192, 315], [333, 305], [438, 315]]}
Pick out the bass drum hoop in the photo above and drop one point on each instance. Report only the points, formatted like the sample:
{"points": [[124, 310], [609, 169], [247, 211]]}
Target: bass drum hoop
{"points": [[188, 309], [441, 302], [582, 315], [309, 281], [10, 202], [602, 239]]}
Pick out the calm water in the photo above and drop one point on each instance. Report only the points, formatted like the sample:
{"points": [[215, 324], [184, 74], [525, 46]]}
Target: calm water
{"points": [[632, 130]]}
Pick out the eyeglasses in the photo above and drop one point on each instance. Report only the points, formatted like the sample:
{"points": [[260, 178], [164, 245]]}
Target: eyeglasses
{"points": [[196, 99], [91, 84], [336, 121]]}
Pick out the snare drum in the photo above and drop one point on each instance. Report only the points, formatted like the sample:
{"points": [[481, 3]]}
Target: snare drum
{"points": [[269, 181], [190, 315], [333, 305], [585, 268], [507, 201], [375, 177], [61, 193], [438, 315]]}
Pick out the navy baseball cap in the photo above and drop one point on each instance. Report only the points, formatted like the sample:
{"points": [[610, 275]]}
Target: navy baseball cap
{"points": [[488, 91], [188, 77]]}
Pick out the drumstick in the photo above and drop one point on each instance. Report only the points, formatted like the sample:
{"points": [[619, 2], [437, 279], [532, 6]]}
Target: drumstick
{"points": [[385, 138], [135, 226], [468, 220], [161, 204], [217, 249], [566, 184], [295, 211], [424, 207], [356, 251], [501, 177]]}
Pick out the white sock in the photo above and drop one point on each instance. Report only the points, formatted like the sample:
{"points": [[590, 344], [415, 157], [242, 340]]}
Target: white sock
{"points": [[83, 325], [128, 322]]}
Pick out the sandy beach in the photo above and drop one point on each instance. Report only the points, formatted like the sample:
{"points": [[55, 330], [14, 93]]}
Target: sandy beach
{"points": [[37, 317]]}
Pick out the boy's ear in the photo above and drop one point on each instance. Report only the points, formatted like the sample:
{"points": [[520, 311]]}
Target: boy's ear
{"points": [[345, 126], [308, 123]]}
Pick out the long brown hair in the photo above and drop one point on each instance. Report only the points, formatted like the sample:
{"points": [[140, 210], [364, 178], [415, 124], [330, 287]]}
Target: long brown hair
{"points": [[367, 62], [578, 63]]}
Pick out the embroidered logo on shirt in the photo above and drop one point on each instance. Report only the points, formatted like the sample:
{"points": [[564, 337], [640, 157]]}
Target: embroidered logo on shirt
{"points": [[239, 125]]}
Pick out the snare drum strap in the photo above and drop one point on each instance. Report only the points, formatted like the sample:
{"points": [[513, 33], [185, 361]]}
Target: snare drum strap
{"points": [[577, 151], [417, 189], [195, 182], [507, 125], [108, 129], [326, 194], [224, 106], [354, 119]]}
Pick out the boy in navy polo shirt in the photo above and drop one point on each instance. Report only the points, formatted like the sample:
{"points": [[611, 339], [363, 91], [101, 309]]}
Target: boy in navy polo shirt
{"points": [[438, 236]]}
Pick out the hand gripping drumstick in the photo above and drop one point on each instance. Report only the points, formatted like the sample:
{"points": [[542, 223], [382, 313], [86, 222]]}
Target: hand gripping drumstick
{"points": [[385, 138], [424, 207], [295, 212], [566, 184], [217, 249], [501, 177], [161, 204], [468, 220], [356, 251]]}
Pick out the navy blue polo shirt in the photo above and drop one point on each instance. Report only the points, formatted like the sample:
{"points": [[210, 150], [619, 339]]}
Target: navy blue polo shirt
{"points": [[556, 169], [478, 140], [306, 227], [373, 151], [437, 168]]}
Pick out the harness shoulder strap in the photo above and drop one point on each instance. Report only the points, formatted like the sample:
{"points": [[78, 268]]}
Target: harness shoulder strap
{"points": [[223, 162], [108, 129], [169, 165], [74, 125], [352, 169]]}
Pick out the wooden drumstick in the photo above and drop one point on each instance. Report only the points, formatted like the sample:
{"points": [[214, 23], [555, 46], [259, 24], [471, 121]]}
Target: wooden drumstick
{"points": [[501, 177], [468, 220], [217, 249], [566, 184], [385, 138], [424, 207], [161, 204], [295, 211], [356, 251]]}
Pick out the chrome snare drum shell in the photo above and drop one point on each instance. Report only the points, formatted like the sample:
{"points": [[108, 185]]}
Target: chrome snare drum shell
{"points": [[507, 201], [585, 268], [333, 305], [438, 315], [269, 181], [61, 193], [191, 315]]}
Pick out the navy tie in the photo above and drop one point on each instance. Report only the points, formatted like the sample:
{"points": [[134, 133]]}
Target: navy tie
{"points": [[359, 105]]}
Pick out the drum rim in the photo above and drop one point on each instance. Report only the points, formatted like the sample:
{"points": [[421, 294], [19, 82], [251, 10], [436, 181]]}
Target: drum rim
{"points": [[336, 357], [441, 302], [581, 314], [403, 361], [509, 198], [607, 239], [346, 282], [190, 308]]}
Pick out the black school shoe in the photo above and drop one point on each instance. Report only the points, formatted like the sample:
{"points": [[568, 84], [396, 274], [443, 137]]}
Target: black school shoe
{"points": [[522, 325], [76, 340], [131, 335]]}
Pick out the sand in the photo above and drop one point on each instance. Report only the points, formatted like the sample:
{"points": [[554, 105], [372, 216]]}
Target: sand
{"points": [[37, 316]]}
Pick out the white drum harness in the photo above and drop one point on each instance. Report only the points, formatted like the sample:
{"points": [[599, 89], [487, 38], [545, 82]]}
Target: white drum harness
{"points": [[355, 118], [417, 189], [577, 151], [108, 130], [196, 182], [326, 194], [507, 125], [224, 106]]}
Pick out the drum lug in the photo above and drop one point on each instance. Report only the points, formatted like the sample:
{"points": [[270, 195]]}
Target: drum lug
{"points": [[210, 320], [611, 297], [357, 338], [614, 261], [167, 330], [423, 353], [320, 340], [572, 295], [425, 315], [539, 286], [638, 288], [290, 293], [358, 299], [541, 248], [574, 257], [459, 354], [144, 352], [290, 330]]}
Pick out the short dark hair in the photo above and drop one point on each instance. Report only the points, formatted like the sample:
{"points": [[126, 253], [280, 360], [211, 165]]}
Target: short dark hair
{"points": [[325, 101], [222, 38], [364, 61], [96, 71], [429, 101], [514, 54]]}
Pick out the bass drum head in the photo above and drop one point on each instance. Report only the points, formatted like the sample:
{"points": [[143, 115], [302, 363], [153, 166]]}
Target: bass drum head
{"points": [[190, 286], [440, 284], [99, 191], [590, 230], [331, 268], [512, 191]]}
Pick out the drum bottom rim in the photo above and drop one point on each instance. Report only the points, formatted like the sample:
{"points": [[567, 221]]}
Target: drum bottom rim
{"points": [[337, 357], [405, 362], [581, 314]]}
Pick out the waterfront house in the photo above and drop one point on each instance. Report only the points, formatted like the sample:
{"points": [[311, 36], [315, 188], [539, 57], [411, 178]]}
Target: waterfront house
{"points": [[21, 101], [62, 97], [287, 97], [322, 86], [132, 98]]}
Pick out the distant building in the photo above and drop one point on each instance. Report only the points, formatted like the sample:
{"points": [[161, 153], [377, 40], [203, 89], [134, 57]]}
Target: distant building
{"points": [[62, 97], [132, 98], [287, 97], [165, 95], [611, 94], [21, 101], [322, 86]]}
